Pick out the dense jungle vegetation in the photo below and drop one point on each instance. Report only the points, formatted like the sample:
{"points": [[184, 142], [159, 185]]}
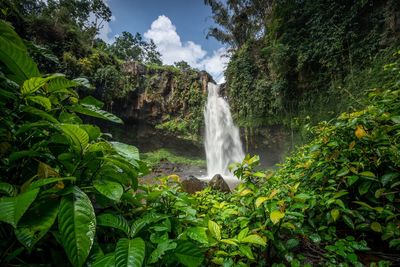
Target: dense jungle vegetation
{"points": [[70, 195]]}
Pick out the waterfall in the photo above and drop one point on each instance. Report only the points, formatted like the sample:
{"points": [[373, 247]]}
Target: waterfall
{"points": [[222, 139]]}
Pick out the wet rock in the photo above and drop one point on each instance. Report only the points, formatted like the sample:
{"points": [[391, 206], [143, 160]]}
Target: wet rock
{"points": [[218, 183], [193, 185]]}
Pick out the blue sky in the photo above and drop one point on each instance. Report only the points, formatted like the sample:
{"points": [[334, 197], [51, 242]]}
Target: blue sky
{"points": [[178, 27]]}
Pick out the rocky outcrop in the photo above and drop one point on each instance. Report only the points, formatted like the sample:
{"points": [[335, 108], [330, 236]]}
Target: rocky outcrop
{"points": [[193, 185], [218, 183], [161, 92]]}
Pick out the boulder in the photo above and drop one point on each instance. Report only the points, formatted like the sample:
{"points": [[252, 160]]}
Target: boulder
{"points": [[218, 183], [193, 185]]}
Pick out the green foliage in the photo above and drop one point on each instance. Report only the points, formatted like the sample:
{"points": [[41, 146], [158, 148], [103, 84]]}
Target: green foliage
{"points": [[155, 157], [53, 165]]}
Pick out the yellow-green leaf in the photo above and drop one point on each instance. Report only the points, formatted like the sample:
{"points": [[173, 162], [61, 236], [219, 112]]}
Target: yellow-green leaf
{"points": [[335, 214], [375, 226], [214, 229], [260, 201], [254, 239], [276, 216]]}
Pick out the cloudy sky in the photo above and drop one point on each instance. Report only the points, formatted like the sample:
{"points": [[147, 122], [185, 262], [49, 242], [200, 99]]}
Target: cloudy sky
{"points": [[178, 28]]}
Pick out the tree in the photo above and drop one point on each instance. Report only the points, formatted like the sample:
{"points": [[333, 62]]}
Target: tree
{"points": [[238, 20]]}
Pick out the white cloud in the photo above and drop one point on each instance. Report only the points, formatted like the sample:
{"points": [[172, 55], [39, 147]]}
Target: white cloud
{"points": [[172, 49]]}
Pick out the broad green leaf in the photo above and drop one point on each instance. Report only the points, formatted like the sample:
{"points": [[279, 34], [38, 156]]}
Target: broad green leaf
{"points": [[198, 233], [59, 84], [94, 111], [77, 226], [36, 222], [230, 241], [12, 208], [140, 223], [246, 250], [110, 189], [348, 221], [129, 253], [90, 100], [189, 254], [276, 216], [375, 226], [78, 136], [260, 201], [94, 132], [335, 214], [32, 85], [367, 174], [344, 171], [243, 233], [107, 260], [388, 177], [114, 221], [126, 167], [214, 229], [162, 247], [14, 55], [129, 152], [254, 239]]}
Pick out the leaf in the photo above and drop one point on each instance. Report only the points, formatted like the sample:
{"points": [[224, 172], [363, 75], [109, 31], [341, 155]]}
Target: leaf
{"points": [[254, 239], [260, 201], [396, 119], [375, 226], [276, 216], [78, 136], [140, 223], [77, 225], [32, 85], [114, 221], [129, 253], [110, 189], [348, 221], [126, 167], [198, 234], [12, 208], [243, 233], [360, 132], [14, 55], [352, 179], [343, 172], [90, 100], [388, 177], [43, 182], [129, 152], [230, 241], [214, 229], [107, 260], [188, 254], [246, 250], [94, 111], [59, 84], [245, 192], [364, 187], [335, 214], [36, 222], [162, 247], [367, 174], [40, 113], [316, 238]]}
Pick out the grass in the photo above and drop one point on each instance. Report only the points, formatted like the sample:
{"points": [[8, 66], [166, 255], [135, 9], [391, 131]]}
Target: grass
{"points": [[154, 157]]}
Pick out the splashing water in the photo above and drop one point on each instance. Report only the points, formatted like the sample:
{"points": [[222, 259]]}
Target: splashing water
{"points": [[222, 140]]}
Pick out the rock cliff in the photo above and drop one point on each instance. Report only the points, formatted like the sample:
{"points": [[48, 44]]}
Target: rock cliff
{"points": [[165, 96]]}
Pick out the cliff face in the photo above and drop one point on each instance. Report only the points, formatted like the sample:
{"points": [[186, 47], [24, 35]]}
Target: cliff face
{"points": [[165, 96]]}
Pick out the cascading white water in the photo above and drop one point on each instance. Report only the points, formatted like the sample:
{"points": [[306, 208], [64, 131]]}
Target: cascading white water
{"points": [[222, 139]]}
